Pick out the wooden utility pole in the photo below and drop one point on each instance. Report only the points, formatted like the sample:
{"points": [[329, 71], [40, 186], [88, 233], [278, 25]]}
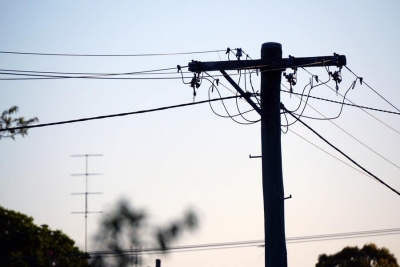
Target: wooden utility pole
{"points": [[271, 66], [274, 211]]}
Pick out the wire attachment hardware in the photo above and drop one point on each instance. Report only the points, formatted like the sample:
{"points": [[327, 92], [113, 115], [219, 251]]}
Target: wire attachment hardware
{"points": [[239, 53], [311, 80], [195, 83], [337, 77], [291, 78]]}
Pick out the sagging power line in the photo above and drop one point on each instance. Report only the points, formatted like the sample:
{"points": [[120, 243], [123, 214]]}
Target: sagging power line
{"points": [[250, 243]]}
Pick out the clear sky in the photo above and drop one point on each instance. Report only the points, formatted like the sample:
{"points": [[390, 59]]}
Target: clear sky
{"points": [[167, 161]]}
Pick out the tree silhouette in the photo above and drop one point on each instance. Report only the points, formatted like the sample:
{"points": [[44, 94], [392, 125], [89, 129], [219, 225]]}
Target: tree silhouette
{"points": [[22, 243], [368, 256]]}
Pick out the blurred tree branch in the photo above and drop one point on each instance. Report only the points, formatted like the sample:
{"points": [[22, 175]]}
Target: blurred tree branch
{"points": [[127, 227], [6, 121]]}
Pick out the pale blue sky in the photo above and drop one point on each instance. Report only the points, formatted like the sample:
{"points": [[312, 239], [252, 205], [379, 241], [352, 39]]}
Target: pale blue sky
{"points": [[170, 160]]}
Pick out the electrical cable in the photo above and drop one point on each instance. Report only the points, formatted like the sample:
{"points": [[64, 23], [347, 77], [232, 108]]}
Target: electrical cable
{"points": [[337, 149], [347, 104], [100, 77], [332, 118], [226, 110], [330, 154], [93, 73], [116, 115], [362, 108], [308, 96], [361, 79], [241, 113], [108, 55], [395, 165], [229, 115], [250, 243], [287, 123]]}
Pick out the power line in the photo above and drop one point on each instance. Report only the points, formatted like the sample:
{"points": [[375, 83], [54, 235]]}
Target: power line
{"points": [[329, 153], [337, 149], [387, 160], [117, 115], [341, 103], [108, 55], [251, 243], [93, 73], [100, 76], [355, 104], [387, 101]]}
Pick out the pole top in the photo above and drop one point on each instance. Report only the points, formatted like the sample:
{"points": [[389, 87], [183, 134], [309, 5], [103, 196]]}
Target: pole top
{"points": [[271, 45]]}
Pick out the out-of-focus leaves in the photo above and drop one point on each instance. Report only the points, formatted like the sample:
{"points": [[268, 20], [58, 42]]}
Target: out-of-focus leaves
{"points": [[126, 227], [7, 121]]}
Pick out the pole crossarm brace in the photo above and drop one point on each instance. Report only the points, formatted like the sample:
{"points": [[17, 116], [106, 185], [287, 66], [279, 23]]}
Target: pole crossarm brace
{"points": [[242, 93], [269, 64]]}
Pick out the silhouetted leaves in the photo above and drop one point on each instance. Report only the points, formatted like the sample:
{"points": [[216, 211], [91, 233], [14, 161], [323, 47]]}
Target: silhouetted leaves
{"points": [[6, 121], [127, 227], [368, 256], [22, 243]]}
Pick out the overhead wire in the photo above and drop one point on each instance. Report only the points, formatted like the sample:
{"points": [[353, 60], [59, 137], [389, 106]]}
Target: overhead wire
{"points": [[330, 154], [100, 76], [341, 152], [352, 136], [358, 106], [115, 115], [108, 55], [387, 101], [249, 243], [325, 118], [226, 110], [157, 71], [34, 76], [337, 102]]}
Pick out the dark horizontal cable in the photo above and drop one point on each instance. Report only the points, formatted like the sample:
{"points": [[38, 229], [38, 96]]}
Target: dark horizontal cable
{"points": [[107, 55], [240, 244], [387, 101], [99, 77], [48, 77], [157, 71], [347, 104], [54, 77], [117, 115], [337, 149]]}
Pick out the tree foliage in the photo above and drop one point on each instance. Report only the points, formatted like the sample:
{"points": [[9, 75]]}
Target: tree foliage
{"points": [[24, 244], [368, 256], [7, 121], [127, 227]]}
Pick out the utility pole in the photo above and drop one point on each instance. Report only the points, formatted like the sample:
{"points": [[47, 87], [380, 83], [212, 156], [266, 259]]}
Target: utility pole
{"points": [[271, 66], [86, 193], [274, 208]]}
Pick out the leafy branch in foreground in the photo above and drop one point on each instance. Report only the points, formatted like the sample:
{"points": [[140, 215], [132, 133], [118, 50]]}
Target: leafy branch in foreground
{"points": [[126, 227], [7, 121]]}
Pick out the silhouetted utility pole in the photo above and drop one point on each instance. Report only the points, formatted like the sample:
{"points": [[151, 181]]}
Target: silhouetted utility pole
{"points": [[271, 66]]}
